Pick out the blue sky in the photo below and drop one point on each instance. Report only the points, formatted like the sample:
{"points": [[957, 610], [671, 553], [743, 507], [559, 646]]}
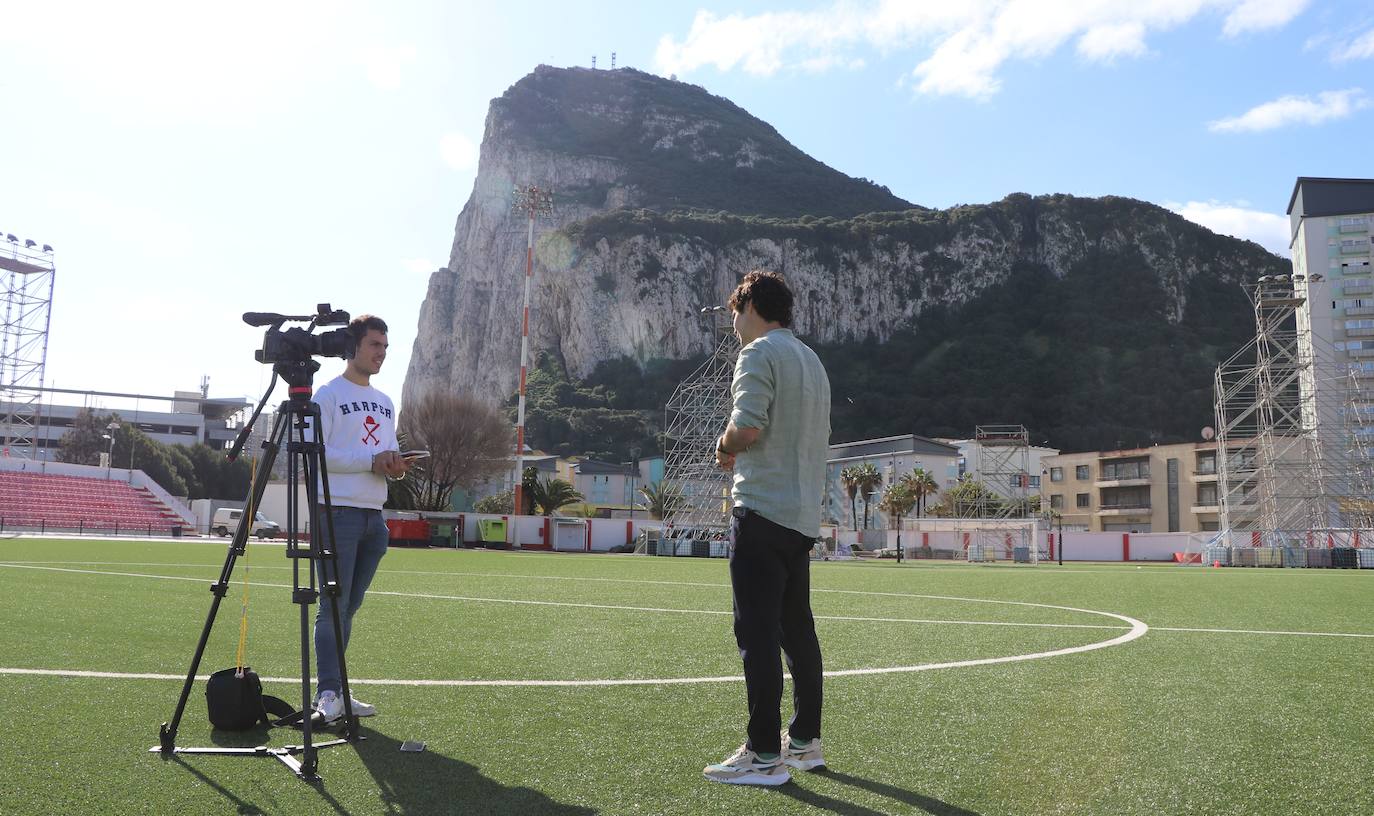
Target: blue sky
{"points": [[190, 162]]}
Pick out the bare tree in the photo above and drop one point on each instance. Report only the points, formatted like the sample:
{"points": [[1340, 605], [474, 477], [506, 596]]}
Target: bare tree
{"points": [[468, 442]]}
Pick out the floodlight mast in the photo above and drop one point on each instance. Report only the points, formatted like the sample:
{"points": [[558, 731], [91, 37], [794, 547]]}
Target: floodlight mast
{"points": [[533, 201]]}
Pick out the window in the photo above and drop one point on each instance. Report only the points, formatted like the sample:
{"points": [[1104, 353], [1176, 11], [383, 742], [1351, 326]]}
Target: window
{"points": [[1206, 464], [1082, 499], [1056, 474], [1056, 502], [1081, 473], [1207, 495], [1035, 481]]}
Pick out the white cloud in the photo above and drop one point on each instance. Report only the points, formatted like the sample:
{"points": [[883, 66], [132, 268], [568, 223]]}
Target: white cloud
{"points": [[1360, 47], [1236, 219], [966, 44], [1260, 15], [168, 55], [458, 151], [1289, 110], [1105, 43], [384, 65]]}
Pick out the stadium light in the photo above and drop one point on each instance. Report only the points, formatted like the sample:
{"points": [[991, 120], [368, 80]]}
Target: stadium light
{"points": [[47, 248], [29, 243]]}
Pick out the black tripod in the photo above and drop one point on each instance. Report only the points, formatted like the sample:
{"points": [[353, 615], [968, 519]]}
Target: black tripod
{"points": [[305, 463]]}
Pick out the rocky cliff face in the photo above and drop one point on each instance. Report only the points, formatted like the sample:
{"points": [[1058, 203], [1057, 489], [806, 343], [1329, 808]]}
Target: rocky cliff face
{"points": [[637, 245]]}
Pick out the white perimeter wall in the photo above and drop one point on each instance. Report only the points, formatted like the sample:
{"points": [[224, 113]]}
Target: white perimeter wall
{"points": [[1078, 546]]}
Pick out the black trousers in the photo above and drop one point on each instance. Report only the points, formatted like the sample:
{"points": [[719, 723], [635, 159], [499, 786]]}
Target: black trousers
{"points": [[770, 577]]}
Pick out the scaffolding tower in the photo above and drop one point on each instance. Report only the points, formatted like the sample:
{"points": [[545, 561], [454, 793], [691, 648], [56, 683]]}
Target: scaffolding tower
{"points": [[27, 274], [996, 514], [1292, 464], [694, 418]]}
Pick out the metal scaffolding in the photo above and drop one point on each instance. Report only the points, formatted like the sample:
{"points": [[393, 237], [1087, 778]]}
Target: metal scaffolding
{"points": [[999, 517], [26, 274], [694, 418], [1292, 464]]}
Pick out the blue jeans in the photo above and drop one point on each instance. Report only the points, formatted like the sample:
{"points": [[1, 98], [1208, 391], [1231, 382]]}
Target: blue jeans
{"points": [[360, 539]]}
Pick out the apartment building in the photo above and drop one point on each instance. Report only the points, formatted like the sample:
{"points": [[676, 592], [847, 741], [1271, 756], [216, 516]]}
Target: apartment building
{"points": [[1165, 488], [1330, 220], [891, 455]]}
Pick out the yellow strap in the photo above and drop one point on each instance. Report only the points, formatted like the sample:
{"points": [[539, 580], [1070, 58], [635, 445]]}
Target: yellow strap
{"points": [[243, 619]]}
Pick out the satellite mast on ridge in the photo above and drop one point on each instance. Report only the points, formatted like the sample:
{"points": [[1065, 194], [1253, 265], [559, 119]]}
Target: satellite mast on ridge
{"points": [[612, 60], [593, 62]]}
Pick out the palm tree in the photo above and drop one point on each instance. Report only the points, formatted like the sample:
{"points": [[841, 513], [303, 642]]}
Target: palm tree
{"points": [[849, 480], [550, 494], [660, 499], [922, 485], [898, 500], [870, 479]]}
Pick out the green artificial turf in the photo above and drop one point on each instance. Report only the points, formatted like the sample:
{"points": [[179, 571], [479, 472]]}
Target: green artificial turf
{"points": [[1174, 722]]}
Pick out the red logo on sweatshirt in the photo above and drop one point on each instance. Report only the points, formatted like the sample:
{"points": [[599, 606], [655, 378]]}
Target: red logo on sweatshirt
{"points": [[371, 425]]}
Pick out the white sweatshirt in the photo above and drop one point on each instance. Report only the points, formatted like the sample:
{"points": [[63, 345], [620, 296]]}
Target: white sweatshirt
{"points": [[359, 423]]}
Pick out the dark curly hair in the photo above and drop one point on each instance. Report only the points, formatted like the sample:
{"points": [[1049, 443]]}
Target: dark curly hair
{"points": [[769, 294]]}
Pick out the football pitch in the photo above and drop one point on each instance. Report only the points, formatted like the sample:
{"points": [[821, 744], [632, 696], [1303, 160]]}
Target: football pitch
{"points": [[574, 684]]}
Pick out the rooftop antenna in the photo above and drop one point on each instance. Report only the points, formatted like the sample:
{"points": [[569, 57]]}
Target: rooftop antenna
{"points": [[612, 60], [205, 386], [593, 62]]}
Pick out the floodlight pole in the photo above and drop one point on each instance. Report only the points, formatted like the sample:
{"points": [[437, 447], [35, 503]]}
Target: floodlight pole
{"points": [[531, 200]]}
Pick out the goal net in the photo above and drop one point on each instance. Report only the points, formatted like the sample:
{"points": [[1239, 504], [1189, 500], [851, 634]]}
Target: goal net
{"points": [[1015, 541]]}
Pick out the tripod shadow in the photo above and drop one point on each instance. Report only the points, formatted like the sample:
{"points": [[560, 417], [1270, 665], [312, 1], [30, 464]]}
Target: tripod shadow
{"points": [[925, 804], [240, 806], [429, 782]]}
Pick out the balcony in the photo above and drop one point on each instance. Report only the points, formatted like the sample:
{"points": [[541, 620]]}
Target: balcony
{"points": [[1357, 287], [1355, 247], [1131, 509], [1365, 352], [1204, 476], [1361, 332], [1360, 225], [1359, 311], [1199, 509], [1143, 481]]}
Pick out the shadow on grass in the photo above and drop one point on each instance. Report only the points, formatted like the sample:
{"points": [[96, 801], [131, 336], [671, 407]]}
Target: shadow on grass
{"points": [[240, 807], [925, 804], [427, 782]]}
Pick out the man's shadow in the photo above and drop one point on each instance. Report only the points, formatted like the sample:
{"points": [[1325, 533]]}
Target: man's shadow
{"points": [[427, 782], [923, 803]]}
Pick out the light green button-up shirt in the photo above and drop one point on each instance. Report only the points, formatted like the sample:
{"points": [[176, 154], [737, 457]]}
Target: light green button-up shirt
{"points": [[781, 388]]}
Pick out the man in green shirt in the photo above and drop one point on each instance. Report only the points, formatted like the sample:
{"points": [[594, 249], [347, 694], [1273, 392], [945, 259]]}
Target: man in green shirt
{"points": [[776, 444]]}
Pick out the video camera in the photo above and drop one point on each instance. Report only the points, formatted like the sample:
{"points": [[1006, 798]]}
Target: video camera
{"points": [[296, 345]]}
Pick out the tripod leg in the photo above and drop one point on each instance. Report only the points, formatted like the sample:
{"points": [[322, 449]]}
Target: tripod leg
{"points": [[327, 559], [167, 734]]}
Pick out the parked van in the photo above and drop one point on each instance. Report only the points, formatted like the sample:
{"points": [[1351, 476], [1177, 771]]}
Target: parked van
{"points": [[226, 521]]}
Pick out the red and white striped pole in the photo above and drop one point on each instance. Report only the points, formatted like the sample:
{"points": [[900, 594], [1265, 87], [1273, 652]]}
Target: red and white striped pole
{"points": [[532, 200]]}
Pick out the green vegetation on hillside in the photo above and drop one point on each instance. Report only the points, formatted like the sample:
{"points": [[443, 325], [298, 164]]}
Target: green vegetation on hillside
{"points": [[566, 110], [1091, 360]]}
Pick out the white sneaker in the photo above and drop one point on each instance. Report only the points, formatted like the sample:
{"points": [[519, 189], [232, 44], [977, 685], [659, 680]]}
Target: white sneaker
{"points": [[745, 768], [361, 709], [329, 706], [806, 758]]}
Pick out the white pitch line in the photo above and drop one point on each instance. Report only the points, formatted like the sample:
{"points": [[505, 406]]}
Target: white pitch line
{"points": [[575, 605], [1259, 632], [42, 565], [1138, 629]]}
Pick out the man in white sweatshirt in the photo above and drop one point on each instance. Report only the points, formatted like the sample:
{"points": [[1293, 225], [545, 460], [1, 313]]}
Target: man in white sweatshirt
{"points": [[358, 425]]}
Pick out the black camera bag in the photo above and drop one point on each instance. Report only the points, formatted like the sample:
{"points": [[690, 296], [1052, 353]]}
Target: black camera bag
{"points": [[235, 701]]}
